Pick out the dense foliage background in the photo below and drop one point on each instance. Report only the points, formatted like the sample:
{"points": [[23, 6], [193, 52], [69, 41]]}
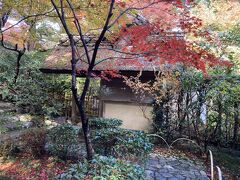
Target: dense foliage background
{"points": [[34, 91]]}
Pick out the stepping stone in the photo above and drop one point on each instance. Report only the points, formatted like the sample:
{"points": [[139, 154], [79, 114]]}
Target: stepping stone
{"points": [[149, 175], [160, 177], [180, 177], [168, 167], [173, 178], [172, 168], [167, 175]]}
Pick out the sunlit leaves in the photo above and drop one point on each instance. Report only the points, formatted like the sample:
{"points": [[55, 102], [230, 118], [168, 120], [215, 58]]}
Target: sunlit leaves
{"points": [[220, 15]]}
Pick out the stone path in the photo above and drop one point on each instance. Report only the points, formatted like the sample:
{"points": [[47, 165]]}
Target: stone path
{"points": [[14, 135], [6, 107], [173, 168]]}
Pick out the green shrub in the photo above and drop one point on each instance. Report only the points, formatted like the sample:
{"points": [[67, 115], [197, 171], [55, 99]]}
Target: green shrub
{"points": [[3, 129], [4, 177], [33, 141], [34, 91], [103, 167], [62, 139], [3, 121], [99, 123], [8, 148], [121, 142]]}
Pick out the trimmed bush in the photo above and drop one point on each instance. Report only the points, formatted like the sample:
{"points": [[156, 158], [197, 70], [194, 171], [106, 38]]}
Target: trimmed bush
{"points": [[33, 141], [121, 142], [64, 142], [103, 167], [99, 123], [8, 148]]}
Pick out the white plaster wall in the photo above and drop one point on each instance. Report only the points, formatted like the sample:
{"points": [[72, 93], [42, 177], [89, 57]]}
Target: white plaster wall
{"points": [[134, 116]]}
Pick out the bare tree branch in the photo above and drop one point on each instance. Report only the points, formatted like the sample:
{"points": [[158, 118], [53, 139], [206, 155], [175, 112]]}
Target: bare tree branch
{"points": [[78, 26], [19, 56], [104, 30], [130, 9], [27, 17], [80, 102]]}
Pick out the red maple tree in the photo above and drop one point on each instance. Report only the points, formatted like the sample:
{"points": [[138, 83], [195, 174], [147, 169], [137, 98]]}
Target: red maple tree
{"points": [[164, 41]]}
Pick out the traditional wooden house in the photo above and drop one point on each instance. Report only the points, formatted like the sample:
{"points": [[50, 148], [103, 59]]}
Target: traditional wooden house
{"points": [[115, 98]]}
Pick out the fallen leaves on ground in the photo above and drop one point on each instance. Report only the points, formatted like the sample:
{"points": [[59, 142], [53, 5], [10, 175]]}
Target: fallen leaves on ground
{"points": [[27, 168]]}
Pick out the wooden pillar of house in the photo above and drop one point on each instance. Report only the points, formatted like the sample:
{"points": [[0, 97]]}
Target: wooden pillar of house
{"points": [[100, 107], [74, 114]]}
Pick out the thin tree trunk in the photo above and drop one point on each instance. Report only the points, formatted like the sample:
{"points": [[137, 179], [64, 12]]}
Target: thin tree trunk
{"points": [[84, 119], [180, 111], [206, 131], [91, 63], [168, 116], [81, 101], [200, 101], [226, 125], [20, 54], [218, 130], [196, 129], [236, 126]]}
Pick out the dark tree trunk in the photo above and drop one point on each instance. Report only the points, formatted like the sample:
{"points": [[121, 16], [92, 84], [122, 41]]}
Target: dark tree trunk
{"points": [[218, 129], [81, 101], [196, 129], [200, 101], [20, 54], [3, 20], [168, 116], [206, 133], [158, 110], [84, 119], [180, 111], [236, 126], [200, 104], [226, 125]]}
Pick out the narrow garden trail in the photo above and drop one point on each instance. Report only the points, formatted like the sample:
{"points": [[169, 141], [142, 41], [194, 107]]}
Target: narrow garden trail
{"points": [[14, 135], [160, 167]]}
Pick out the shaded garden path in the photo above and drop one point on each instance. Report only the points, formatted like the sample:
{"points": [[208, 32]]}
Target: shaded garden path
{"points": [[160, 167], [14, 135]]}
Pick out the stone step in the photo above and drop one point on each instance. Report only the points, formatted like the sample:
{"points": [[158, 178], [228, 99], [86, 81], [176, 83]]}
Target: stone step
{"points": [[7, 110], [6, 107], [5, 104], [12, 135]]}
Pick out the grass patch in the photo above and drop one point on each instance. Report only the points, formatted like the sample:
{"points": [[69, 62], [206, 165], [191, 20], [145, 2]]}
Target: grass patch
{"points": [[227, 162]]}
